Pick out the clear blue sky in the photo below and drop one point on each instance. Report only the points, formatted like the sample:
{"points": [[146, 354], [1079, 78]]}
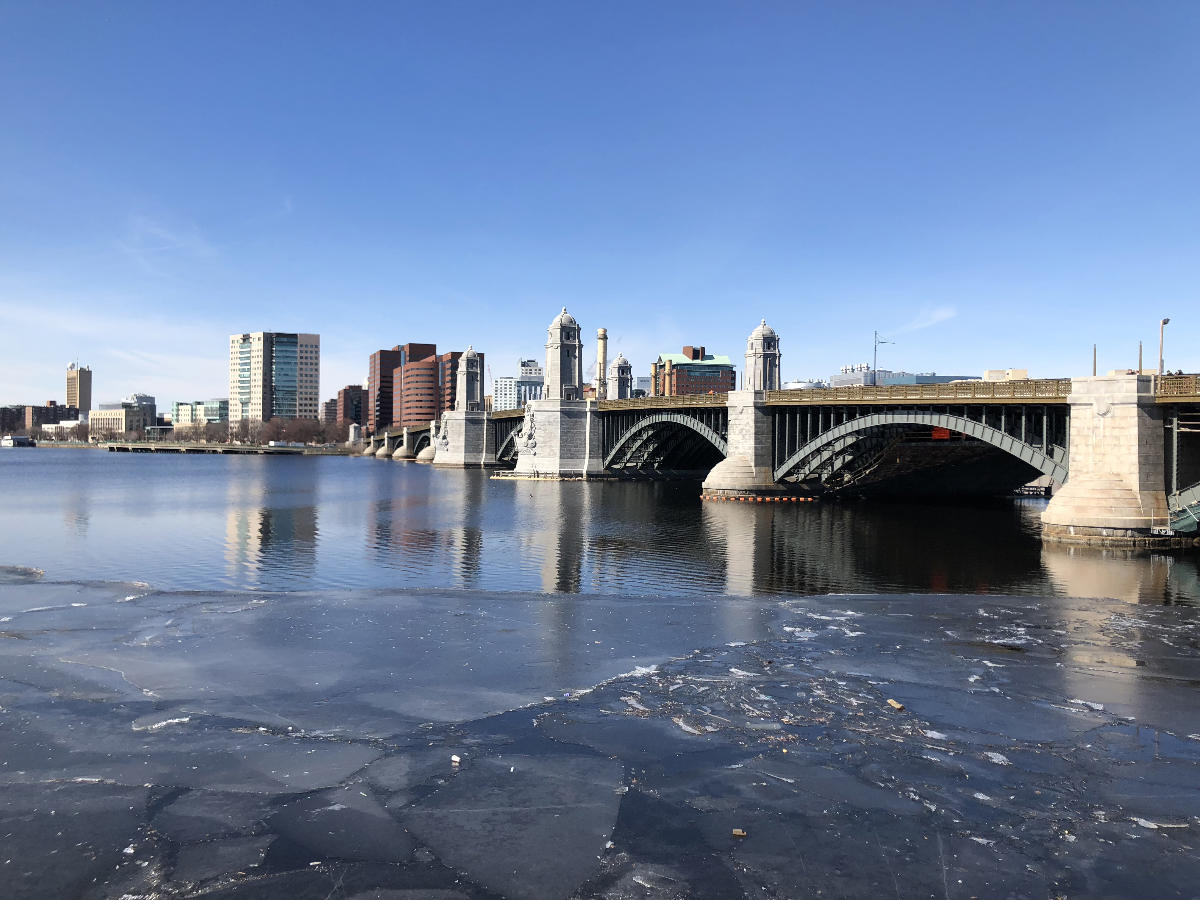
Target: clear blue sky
{"points": [[987, 184]]}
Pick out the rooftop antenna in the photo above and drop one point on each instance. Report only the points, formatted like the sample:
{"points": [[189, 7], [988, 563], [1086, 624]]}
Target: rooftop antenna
{"points": [[875, 359]]}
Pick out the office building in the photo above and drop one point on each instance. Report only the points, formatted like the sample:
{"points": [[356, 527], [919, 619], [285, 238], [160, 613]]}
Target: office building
{"points": [[147, 407], [79, 387], [420, 386], [49, 414], [329, 411], [514, 392], [530, 382], [382, 397], [118, 419], [274, 375], [415, 393], [200, 412], [504, 393], [12, 418], [351, 404], [692, 372]]}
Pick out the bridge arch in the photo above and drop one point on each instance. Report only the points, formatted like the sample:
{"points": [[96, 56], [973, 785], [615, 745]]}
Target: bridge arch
{"points": [[829, 445], [506, 450], [655, 427]]}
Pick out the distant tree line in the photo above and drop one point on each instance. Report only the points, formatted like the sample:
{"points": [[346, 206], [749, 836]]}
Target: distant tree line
{"points": [[304, 431]]}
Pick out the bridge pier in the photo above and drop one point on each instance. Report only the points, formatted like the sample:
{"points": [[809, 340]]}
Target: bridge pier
{"points": [[748, 470], [463, 441], [1114, 493], [560, 439], [387, 445], [406, 446]]}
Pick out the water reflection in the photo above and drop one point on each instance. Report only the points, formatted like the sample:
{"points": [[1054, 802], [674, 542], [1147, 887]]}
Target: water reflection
{"points": [[77, 512], [465, 536], [553, 519], [1132, 576], [279, 523], [270, 525]]}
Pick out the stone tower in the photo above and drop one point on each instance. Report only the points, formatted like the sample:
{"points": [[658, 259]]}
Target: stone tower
{"points": [[762, 359], [564, 359], [469, 390], [620, 379], [601, 363]]}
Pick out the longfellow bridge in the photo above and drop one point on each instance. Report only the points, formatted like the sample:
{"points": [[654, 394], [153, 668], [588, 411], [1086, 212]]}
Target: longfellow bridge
{"points": [[1122, 451]]}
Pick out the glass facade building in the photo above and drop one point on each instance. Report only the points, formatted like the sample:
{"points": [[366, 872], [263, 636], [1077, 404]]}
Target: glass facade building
{"points": [[274, 375]]}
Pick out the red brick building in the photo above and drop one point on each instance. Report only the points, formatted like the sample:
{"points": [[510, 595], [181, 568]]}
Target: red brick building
{"points": [[351, 404], [692, 372], [416, 390]]}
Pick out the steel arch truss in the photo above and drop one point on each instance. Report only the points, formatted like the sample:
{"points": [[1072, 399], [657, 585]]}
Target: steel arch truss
{"points": [[826, 451], [647, 440], [507, 433]]}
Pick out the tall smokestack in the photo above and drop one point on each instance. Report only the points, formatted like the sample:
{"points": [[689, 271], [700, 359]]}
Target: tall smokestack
{"points": [[601, 363]]}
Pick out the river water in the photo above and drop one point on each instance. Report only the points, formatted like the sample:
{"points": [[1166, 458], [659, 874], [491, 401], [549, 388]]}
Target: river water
{"points": [[289, 523], [230, 677]]}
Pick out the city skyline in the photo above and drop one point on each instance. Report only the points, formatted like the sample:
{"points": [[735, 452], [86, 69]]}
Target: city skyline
{"points": [[986, 187]]}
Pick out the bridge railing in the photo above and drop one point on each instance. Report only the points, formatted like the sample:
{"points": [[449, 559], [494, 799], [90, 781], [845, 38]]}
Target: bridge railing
{"points": [[675, 402], [1034, 389], [1178, 387], [508, 414]]}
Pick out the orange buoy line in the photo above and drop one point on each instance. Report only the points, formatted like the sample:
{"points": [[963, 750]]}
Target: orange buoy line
{"points": [[757, 499]]}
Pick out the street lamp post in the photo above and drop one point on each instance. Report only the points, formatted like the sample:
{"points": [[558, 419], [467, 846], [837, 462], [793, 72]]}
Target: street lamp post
{"points": [[875, 359], [1161, 325]]}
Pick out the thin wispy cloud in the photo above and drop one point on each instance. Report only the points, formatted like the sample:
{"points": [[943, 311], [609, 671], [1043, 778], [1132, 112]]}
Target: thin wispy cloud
{"points": [[927, 318], [148, 241]]}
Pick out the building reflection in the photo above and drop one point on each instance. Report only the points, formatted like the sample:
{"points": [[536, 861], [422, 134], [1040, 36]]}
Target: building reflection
{"points": [[405, 527], [271, 521], [464, 536], [77, 511]]}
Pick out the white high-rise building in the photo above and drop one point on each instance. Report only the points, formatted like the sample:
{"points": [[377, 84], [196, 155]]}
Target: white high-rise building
{"points": [[504, 393], [274, 374]]}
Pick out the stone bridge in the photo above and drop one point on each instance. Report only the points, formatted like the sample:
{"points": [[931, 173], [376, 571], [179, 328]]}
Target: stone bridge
{"points": [[406, 444], [1121, 451]]}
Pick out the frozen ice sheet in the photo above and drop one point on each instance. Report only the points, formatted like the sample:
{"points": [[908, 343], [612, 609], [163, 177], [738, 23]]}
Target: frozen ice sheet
{"points": [[300, 744]]}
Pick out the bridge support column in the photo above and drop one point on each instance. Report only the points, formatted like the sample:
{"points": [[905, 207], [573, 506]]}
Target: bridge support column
{"points": [[403, 451], [748, 470], [1114, 493], [387, 446], [429, 451], [561, 439], [463, 440]]}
